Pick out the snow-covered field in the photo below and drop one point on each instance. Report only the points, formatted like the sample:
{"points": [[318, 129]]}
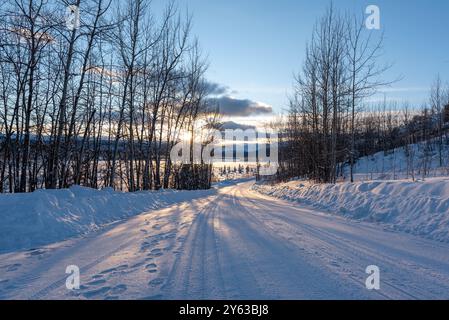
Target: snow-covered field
{"points": [[47, 216]]}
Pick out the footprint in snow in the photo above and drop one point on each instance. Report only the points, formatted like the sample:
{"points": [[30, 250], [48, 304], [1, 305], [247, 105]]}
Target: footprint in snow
{"points": [[11, 267], [121, 288], [156, 282], [122, 267], [144, 246], [151, 268], [137, 265], [335, 264], [96, 282], [4, 281], [148, 244], [96, 292], [156, 253], [149, 259], [36, 252]]}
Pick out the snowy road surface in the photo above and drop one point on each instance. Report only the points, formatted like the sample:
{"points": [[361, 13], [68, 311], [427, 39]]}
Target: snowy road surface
{"points": [[233, 244]]}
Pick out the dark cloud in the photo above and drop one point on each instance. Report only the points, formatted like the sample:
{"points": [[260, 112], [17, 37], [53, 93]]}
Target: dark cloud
{"points": [[234, 125], [216, 89], [241, 107]]}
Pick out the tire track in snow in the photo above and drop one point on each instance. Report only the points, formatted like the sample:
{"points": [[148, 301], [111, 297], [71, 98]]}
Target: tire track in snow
{"points": [[331, 240], [358, 252], [267, 209], [250, 269], [216, 251], [275, 234], [182, 272]]}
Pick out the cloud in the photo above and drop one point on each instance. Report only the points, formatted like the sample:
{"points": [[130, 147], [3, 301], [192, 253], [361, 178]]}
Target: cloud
{"points": [[216, 89], [229, 106]]}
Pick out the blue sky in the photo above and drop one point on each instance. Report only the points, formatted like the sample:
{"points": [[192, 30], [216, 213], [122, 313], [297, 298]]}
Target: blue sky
{"points": [[255, 46]]}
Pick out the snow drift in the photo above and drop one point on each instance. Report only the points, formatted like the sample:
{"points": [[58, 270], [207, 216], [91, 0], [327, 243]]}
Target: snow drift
{"points": [[420, 208], [47, 216]]}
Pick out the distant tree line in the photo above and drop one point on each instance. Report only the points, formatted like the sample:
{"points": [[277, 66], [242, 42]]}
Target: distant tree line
{"points": [[100, 105]]}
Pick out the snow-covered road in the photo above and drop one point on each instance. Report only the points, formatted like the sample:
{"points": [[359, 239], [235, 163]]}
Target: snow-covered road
{"points": [[232, 244]]}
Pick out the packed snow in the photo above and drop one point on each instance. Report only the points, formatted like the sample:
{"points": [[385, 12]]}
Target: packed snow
{"points": [[47, 216]]}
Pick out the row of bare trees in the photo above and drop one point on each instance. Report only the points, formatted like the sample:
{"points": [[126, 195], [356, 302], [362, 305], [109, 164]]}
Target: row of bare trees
{"points": [[101, 104], [329, 125], [418, 136]]}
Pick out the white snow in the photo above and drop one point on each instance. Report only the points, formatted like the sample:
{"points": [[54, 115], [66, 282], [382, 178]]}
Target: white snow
{"points": [[231, 243], [420, 207], [420, 160], [46, 216], [404, 189]]}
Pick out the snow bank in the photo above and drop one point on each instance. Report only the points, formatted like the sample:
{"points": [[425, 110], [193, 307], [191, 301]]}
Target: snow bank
{"points": [[420, 208], [47, 216]]}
